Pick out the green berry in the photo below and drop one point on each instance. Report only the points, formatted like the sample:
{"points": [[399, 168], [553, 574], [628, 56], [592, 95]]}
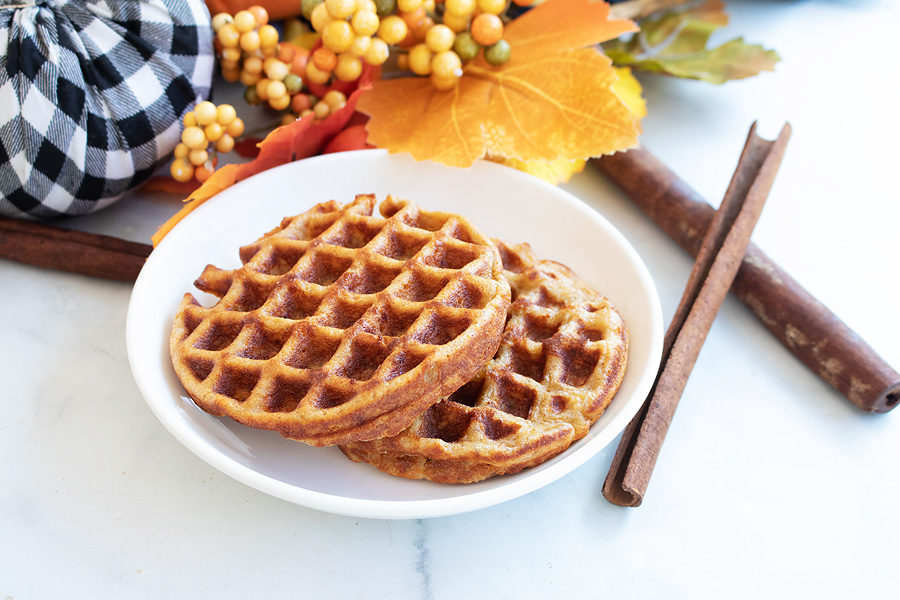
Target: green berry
{"points": [[293, 83], [466, 46], [497, 54], [307, 6], [251, 97], [385, 7]]}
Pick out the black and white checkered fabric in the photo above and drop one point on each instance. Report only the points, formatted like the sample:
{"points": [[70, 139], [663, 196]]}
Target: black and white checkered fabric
{"points": [[92, 93]]}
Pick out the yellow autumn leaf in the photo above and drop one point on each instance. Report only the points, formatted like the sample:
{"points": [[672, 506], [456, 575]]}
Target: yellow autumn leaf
{"points": [[552, 100]]}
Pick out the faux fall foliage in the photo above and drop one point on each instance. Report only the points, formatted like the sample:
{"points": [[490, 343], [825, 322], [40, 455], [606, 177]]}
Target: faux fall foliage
{"points": [[553, 99]]}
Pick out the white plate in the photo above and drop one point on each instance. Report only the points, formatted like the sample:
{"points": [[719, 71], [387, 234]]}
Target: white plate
{"points": [[501, 201]]}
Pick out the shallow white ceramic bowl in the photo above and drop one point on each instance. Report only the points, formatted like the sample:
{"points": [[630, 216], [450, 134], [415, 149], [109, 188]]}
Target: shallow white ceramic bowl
{"points": [[501, 201]]}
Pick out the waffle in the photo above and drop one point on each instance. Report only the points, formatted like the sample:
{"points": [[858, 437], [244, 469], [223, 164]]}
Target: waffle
{"points": [[561, 360], [343, 326]]}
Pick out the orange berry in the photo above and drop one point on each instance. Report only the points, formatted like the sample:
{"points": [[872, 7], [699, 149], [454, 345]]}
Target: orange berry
{"points": [[422, 30], [253, 64], [487, 29], [300, 102], [231, 75], [202, 173], [415, 17], [286, 52], [298, 63], [324, 59], [261, 14], [249, 79]]}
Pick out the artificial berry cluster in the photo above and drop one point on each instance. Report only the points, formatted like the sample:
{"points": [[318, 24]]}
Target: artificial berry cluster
{"points": [[208, 131]]}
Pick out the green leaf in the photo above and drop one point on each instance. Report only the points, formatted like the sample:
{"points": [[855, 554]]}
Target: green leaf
{"points": [[675, 44]]}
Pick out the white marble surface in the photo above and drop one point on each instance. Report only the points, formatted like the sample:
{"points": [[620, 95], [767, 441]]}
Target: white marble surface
{"points": [[770, 484]]}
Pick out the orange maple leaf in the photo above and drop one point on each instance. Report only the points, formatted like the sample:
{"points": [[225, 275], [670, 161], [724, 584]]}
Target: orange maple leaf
{"points": [[551, 100]]}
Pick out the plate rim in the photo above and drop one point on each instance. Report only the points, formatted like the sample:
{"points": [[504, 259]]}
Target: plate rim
{"points": [[400, 509]]}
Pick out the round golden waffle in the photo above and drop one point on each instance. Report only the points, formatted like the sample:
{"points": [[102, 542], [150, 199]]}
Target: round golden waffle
{"points": [[561, 360], [343, 326]]}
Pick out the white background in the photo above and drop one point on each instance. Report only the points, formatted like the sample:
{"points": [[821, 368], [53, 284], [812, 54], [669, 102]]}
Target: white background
{"points": [[770, 484]]}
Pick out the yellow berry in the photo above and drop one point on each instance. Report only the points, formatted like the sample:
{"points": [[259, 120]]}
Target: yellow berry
{"points": [[213, 131], [249, 79], [269, 50], [403, 62], [338, 36], [225, 143], [181, 170], [225, 114], [460, 7], [456, 23], [228, 35], [275, 90], [316, 75], [268, 36], [244, 21], [261, 86], [393, 29], [366, 5], [420, 59], [279, 102], [181, 150], [439, 38], [235, 128], [444, 83], [340, 9], [306, 112], [320, 17], [409, 5], [231, 56], [205, 113], [250, 41], [429, 6], [189, 119], [288, 119], [221, 19], [193, 137], [365, 22], [361, 45], [253, 64], [348, 67], [494, 7], [229, 65], [321, 110], [446, 64], [378, 53], [275, 69], [198, 157], [487, 29], [334, 99]]}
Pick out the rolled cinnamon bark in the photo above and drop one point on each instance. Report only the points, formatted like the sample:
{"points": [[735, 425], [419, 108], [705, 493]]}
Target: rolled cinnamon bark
{"points": [[74, 251], [803, 324]]}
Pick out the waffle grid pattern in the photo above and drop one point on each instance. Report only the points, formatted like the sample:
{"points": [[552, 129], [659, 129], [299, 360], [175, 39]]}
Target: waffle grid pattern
{"points": [[341, 325], [561, 360]]}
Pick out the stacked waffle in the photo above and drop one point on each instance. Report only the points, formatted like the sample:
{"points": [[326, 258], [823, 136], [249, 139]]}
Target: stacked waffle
{"points": [[409, 339]]}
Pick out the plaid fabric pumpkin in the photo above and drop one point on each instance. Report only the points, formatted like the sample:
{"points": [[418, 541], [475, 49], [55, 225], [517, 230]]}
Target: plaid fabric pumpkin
{"points": [[92, 94]]}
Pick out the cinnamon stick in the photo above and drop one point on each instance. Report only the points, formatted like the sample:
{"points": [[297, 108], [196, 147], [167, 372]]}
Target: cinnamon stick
{"points": [[803, 324], [74, 251], [718, 260]]}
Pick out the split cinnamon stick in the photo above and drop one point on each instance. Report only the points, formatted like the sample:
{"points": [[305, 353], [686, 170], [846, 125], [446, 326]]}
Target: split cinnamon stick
{"points": [[803, 324], [718, 260], [74, 251]]}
